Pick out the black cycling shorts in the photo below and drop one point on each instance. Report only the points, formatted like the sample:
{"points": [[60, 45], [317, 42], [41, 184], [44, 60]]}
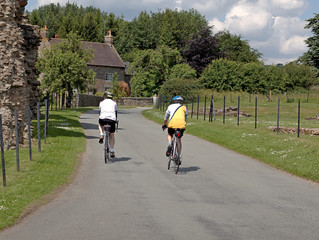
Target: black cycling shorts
{"points": [[171, 131], [109, 122]]}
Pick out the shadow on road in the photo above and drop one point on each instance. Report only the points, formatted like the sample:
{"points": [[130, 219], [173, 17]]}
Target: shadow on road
{"points": [[188, 169], [121, 159]]}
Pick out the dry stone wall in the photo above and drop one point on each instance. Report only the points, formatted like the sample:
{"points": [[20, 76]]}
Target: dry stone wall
{"points": [[19, 43]]}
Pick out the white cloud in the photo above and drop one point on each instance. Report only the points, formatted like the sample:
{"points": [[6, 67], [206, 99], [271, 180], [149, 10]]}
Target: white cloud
{"points": [[249, 19], [293, 45], [275, 36], [289, 4]]}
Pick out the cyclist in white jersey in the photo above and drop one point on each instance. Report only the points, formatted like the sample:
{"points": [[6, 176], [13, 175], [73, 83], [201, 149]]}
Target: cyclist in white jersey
{"points": [[108, 115]]}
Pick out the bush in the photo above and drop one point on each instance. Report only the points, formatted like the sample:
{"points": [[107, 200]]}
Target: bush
{"points": [[180, 86]]}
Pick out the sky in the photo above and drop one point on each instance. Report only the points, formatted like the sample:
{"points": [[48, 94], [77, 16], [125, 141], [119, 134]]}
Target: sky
{"points": [[273, 27]]}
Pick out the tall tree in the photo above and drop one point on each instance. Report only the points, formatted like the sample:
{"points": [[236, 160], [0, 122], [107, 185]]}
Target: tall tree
{"points": [[201, 50], [151, 69], [221, 75], [312, 56], [299, 76], [64, 67], [236, 49]]}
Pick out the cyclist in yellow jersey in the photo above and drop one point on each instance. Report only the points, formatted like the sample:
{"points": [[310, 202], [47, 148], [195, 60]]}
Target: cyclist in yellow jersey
{"points": [[175, 117]]}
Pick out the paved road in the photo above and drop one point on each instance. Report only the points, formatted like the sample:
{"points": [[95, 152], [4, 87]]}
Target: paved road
{"points": [[218, 194]]}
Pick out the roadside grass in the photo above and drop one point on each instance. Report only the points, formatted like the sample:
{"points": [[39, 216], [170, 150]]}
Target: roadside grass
{"points": [[298, 156], [47, 171]]}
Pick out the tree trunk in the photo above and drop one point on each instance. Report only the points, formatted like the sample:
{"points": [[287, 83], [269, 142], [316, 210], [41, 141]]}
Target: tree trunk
{"points": [[63, 100], [70, 97]]}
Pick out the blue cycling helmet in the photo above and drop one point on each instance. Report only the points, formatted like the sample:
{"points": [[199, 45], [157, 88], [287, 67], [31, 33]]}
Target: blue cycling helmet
{"points": [[178, 99]]}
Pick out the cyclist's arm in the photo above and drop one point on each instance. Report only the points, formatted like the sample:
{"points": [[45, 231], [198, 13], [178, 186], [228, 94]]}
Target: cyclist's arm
{"points": [[186, 115]]}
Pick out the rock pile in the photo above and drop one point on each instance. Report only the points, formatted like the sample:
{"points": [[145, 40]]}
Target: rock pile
{"points": [[19, 43], [306, 131]]}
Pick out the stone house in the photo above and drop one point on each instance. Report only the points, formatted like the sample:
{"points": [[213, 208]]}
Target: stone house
{"points": [[106, 62]]}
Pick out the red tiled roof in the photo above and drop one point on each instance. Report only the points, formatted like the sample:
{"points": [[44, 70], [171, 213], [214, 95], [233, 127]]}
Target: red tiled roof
{"points": [[104, 54]]}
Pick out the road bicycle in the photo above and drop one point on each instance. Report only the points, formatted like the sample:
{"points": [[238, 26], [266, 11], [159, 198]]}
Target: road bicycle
{"points": [[106, 143], [175, 154]]}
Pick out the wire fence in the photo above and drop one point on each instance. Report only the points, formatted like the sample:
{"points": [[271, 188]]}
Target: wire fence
{"points": [[249, 110], [42, 131]]}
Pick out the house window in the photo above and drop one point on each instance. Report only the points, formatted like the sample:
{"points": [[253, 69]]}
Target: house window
{"points": [[109, 76]]}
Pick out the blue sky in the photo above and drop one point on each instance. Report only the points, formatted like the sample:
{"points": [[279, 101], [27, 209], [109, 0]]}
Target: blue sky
{"points": [[273, 27]]}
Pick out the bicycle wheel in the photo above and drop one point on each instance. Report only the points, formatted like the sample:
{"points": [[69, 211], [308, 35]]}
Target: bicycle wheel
{"points": [[176, 157], [177, 163], [106, 148]]}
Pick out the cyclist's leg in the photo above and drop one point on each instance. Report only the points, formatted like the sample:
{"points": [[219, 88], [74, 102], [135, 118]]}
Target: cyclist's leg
{"points": [[112, 139], [170, 133], [179, 145], [101, 130]]}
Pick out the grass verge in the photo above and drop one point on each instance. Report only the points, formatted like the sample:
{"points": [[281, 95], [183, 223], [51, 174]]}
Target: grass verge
{"points": [[49, 169], [298, 156]]}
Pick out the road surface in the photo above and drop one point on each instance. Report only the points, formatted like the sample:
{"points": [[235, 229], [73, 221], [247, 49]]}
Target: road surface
{"points": [[218, 194]]}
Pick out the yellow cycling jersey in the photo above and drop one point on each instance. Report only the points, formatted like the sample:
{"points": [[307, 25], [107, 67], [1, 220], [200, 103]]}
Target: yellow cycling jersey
{"points": [[178, 119]]}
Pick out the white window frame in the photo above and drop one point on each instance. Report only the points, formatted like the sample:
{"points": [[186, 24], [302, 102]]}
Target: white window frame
{"points": [[108, 77]]}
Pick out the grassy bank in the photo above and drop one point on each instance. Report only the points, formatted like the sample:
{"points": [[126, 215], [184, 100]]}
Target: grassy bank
{"points": [[48, 170], [287, 152]]}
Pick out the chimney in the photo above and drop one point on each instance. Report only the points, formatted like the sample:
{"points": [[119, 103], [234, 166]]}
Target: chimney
{"points": [[44, 32], [109, 38]]}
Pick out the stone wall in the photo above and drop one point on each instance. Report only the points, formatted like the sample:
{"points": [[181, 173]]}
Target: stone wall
{"points": [[84, 100], [19, 43]]}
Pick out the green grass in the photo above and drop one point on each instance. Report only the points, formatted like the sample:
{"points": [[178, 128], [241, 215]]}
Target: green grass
{"points": [[287, 152], [49, 169]]}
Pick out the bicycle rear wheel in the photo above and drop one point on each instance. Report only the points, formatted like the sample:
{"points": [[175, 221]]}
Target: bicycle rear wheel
{"points": [[176, 158], [106, 148], [177, 163]]}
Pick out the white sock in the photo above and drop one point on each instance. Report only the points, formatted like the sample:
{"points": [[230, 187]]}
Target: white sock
{"points": [[111, 150]]}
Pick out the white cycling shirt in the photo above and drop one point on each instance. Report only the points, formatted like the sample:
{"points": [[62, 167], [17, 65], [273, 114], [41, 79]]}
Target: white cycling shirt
{"points": [[107, 109]]}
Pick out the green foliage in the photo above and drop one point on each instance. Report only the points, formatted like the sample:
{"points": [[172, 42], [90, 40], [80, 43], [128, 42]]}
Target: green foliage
{"points": [[181, 81], [201, 50], [276, 78], [299, 76], [149, 31], [64, 67], [151, 68], [89, 22], [253, 78], [221, 75], [312, 56], [182, 71], [236, 49], [118, 89], [180, 86]]}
